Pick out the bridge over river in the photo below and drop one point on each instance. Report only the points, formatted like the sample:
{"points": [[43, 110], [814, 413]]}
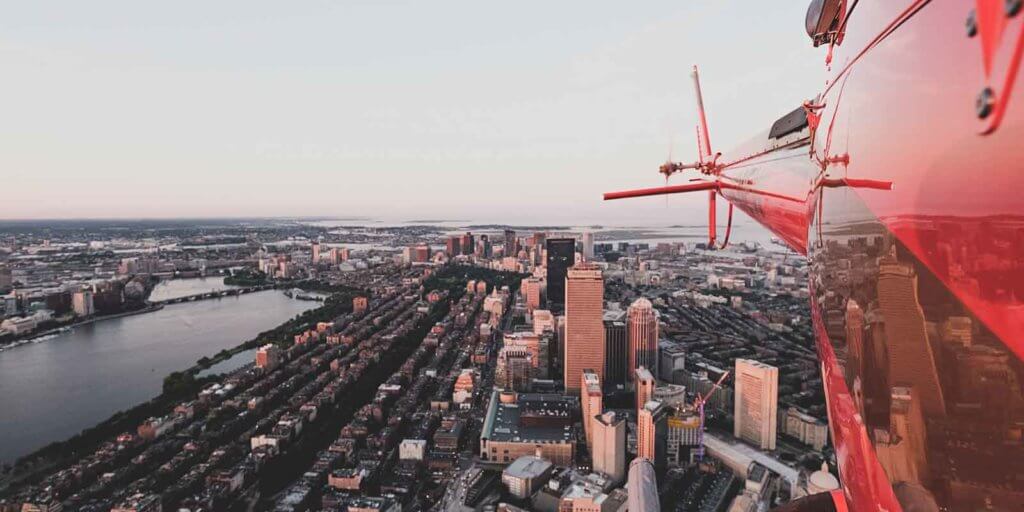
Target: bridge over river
{"points": [[216, 294]]}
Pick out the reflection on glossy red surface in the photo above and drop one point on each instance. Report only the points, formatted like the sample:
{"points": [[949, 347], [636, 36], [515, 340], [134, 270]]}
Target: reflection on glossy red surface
{"points": [[925, 277], [906, 198]]}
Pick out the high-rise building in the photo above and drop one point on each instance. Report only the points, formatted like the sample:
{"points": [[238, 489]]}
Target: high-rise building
{"points": [[854, 341], [902, 449], [615, 351], [911, 360], [538, 239], [906, 422], [584, 327], [671, 357], [333, 256], [642, 486], [315, 257], [466, 244], [6, 279], [561, 256], [756, 403], [652, 433], [642, 327], [609, 447], [644, 382], [588, 245], [511, 243], [590, 403], [453, 246], [531, 287], [422, 253], [483, 247], [82, 303]]}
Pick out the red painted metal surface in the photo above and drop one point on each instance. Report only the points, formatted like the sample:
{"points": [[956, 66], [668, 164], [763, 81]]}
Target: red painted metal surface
{"points": [[657, 191], [918, 227], [907, 202]]}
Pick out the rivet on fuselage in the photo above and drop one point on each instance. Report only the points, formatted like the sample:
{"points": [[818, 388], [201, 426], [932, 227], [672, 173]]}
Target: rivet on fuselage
{"points": [[985, 103], [972, 24]]}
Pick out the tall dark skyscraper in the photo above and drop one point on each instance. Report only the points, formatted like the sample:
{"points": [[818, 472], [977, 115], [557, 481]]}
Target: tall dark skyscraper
{"points": [[561, 256], [511, 243], [616, 348], [468, 244]]}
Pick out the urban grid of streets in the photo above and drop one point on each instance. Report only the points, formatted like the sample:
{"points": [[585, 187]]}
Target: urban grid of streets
{"points": [[411, 354]]}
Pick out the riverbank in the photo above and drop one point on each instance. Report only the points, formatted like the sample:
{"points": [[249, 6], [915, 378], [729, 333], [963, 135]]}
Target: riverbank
{"points": [[35, 337], [179, 384]]}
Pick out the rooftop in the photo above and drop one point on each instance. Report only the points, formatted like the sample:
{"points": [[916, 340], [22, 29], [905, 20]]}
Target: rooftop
{"points": [[502, 423], [527, 467]]}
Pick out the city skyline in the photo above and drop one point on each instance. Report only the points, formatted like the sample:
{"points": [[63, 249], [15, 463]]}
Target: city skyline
{"points": [[238, 114], [357, 256]]}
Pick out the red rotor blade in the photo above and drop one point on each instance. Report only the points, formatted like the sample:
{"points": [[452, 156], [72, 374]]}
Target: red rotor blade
{"points": [[657, 191]]}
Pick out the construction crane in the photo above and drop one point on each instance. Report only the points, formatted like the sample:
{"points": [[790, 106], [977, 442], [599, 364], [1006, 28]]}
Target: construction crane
{"points": [[699, 405]]}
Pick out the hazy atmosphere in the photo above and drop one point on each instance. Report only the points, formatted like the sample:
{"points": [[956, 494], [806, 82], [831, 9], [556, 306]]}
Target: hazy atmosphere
{"points": [[122, 109]]}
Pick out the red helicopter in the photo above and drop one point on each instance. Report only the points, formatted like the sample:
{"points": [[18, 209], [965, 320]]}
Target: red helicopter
{"points": [[899, 184]]}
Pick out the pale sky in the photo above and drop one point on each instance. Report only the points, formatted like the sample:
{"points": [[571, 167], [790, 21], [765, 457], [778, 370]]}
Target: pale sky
{"points": [[523, 111]]}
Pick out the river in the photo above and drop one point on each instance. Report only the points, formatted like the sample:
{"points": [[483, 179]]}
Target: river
{"points": [[174, 288], [53, 389]]}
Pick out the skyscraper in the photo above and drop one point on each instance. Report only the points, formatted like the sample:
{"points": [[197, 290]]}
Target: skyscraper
{"points": [[531, 293], [511, 243], [615, 351], [561, 256], [483, 247], [609, 446], [652, 432], [584, 328], [756, 403], [642, 486], [644, 386], [466, 244], [538, 239], [642, 327], [588, 245], [854, 340], [590, 403], [316, 253], [911, 360], [453, 246], [5, 278], [421, 253], [906, 423]]}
